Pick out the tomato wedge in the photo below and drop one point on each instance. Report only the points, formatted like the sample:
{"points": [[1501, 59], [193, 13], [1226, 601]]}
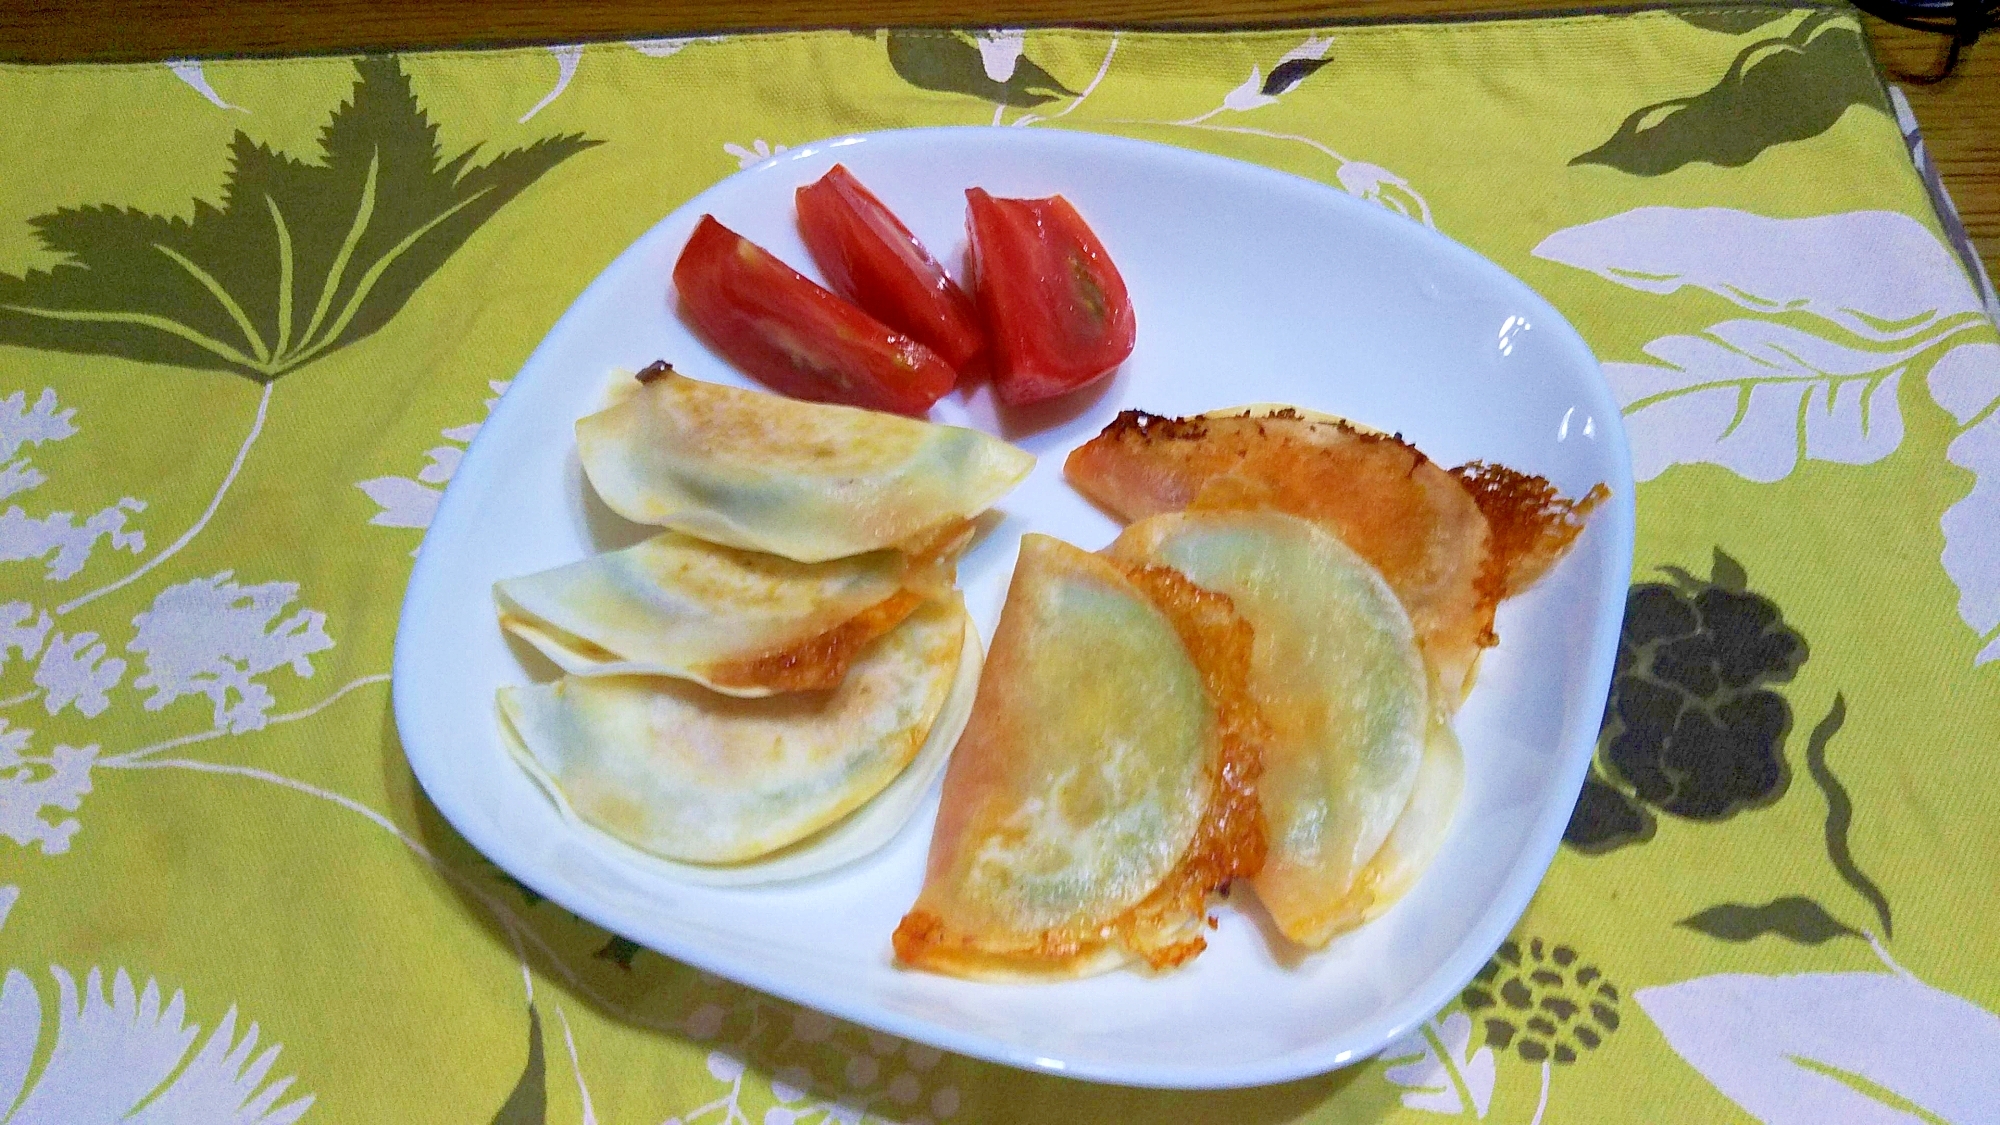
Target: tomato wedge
{"points": [[872, 259], [1057, 315], [796, 337]]}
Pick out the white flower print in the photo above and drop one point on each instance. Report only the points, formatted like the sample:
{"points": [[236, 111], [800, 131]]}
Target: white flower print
{"points": [[1371, 182], [29, 786], [74, 670], [1250, 95], [1378, 185], [1258, 91], [22, 424], [1438, 1060], [725, 1066], [190, 72], [123, 1056], [407, 502], [1868, 297], [1810, 1048], [24, 537], [668, 48], [758, 152], [9, 894], [1966, 382], [18, 476], [1313, 49], [213, 637], [659, 48], [22, 628], [567, 58], [1000, 52]]}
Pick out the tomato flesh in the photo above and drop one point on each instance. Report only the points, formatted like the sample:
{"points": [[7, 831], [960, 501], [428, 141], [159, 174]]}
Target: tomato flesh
{"points": [[1056, 311], [872, 259], [795, 337]]}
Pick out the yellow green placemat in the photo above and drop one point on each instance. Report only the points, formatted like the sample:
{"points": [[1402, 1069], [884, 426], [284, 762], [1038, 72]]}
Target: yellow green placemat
{"points": [[251, 313]]}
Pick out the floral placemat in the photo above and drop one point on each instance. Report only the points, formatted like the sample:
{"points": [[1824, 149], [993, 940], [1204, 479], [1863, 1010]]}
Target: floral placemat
{"points": [[251, 313]]}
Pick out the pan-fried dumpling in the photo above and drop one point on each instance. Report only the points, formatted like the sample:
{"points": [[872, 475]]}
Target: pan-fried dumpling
{"points": [[859, 834], [1340, 681], [1413, 521], [740, 622], [1105, 783], [808, 481], [1420, 831], [1533, 525], [676, 770]]}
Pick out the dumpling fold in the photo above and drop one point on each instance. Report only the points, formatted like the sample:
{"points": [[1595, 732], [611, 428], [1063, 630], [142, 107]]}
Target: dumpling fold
{"points": [[809, 481], [684, 773], [1337, 676], [740, 622], [1420, 832], [1450, 543], [1104, 786]]}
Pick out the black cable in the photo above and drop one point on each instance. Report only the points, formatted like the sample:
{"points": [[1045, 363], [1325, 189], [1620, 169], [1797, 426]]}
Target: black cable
{"points": [[1963, 21]]}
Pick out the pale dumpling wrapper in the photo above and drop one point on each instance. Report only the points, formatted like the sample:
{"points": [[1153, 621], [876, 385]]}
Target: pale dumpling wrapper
{"points": [[1341, 683], [730, 619], [809, 481], [1420, 832], [687, 774]]}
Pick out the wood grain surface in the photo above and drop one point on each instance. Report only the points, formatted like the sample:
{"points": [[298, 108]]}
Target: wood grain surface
{"points": [[1960, 117]]}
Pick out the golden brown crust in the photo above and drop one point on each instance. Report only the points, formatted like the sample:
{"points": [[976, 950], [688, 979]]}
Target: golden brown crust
{"points": [[922, 939], [819, 661], [1231, 842], [1408, 517], [1164, 928], [1532, 524]]}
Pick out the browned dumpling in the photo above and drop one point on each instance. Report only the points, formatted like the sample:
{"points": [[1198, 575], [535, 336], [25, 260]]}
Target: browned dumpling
{"points": [[1336, 674], [739, 622], [1450, 543], [806, 480], [685, 774], [1104, 786]]}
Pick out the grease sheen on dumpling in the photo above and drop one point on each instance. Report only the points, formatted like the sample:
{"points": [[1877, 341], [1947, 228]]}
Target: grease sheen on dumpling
{"points": [[1341, 683], [809, 481]]}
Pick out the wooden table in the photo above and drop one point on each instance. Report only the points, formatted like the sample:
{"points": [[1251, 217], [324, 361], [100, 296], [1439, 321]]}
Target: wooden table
{"points": [[1960, 117]]}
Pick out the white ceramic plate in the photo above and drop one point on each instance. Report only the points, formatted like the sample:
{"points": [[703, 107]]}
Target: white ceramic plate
{"points": [[1250, 286]]}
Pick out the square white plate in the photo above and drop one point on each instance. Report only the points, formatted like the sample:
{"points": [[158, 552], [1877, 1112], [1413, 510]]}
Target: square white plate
{"points": [[1250, 286]]}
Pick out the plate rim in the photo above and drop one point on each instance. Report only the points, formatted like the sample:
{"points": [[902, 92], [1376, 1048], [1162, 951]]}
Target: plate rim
{"points": [[1615, 519]]}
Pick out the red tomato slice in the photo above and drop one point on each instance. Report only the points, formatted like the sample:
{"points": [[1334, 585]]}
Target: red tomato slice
{"points": [[872, 259], [794, 336], [1057, 315]]}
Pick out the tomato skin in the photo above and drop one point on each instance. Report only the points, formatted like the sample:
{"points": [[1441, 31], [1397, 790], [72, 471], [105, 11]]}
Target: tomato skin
{"points": [[1056, 310], [872, 259], [796, 337]]}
